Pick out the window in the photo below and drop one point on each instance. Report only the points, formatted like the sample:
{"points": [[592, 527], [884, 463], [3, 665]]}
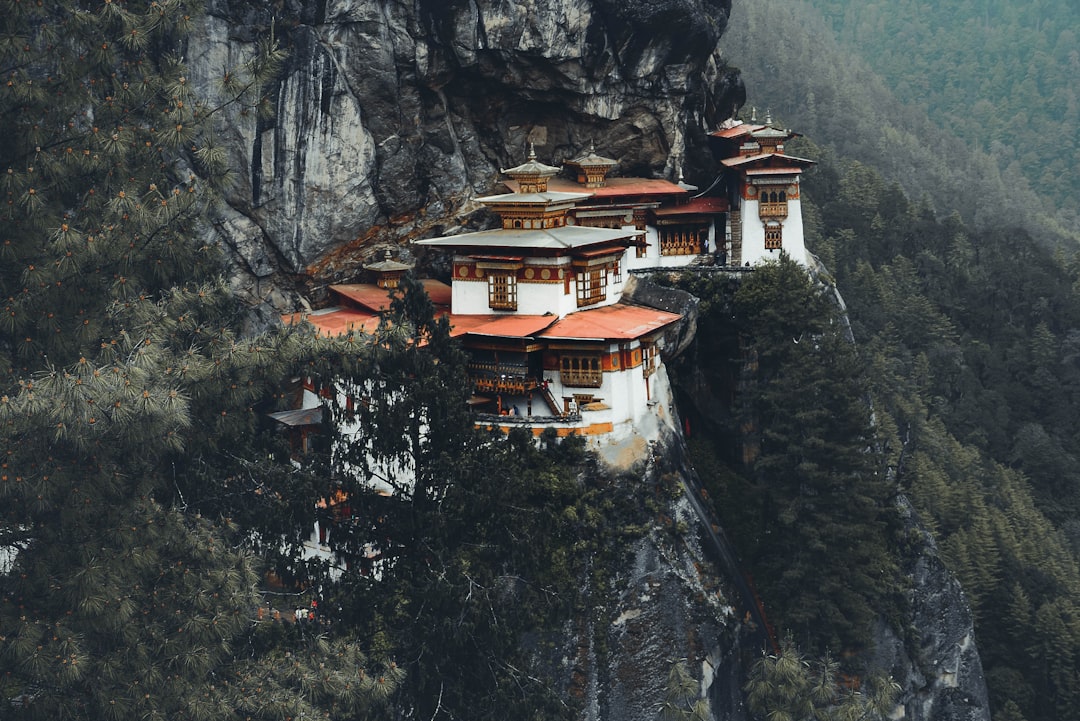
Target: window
{"points": [[591, 286], [616, 272], [773, 237], [581, 370], [680, 240], [649, 355], [502, 291], [773, 204]]}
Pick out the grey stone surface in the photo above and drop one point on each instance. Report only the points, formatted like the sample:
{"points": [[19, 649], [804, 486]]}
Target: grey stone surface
{"points": [[391, 116]]}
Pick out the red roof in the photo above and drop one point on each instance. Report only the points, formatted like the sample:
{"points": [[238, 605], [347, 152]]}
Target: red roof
{"points": [[610, 322], [764, 159], [696, 206], [504, 326], [439, 292], [736, 131], [774, 171], [376, 299], [337, 321], [367, 295]]}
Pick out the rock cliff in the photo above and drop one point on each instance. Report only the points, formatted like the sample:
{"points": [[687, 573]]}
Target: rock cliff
{"points": [[391, 116]]}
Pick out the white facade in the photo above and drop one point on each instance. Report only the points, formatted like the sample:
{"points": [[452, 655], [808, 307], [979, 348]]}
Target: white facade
{"points": [[792, 241], [541, 285], [651, 256]]}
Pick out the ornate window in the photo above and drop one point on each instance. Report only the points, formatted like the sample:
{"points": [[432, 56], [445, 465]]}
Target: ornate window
{"points": [[773, 204], [591, 286], [773, 237], [616, 272], [502, 291], [581, 370], [680, 240]]}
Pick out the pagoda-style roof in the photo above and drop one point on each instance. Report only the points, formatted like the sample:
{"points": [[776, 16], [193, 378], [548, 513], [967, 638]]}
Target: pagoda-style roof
{"points": [[532, 174], [500, 326], [299, 417], [620, 321], [738, 130], [615, 188], [768, 160], [706, 205], [591, 159], [565, 238], [545, 199], [592, 168], [388, 265], [333, 322]]}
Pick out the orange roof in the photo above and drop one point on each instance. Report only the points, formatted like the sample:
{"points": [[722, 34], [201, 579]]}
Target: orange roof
{"points": [[736, 131], [336, 321], [505, 326], [376, 299], [439, 292], [617, 187], [614, 187], [610, 322], [708, 204], [774, 171], [367, 295]]}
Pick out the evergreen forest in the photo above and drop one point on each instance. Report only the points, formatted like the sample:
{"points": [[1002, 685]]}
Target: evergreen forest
{"points": [[961, 290]]}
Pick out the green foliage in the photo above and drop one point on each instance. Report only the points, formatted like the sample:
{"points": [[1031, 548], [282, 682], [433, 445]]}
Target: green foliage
{"points": [[971, 336], [913, 90], [981, 69], [823, 499], [108, 167], [489, 544], [158, 619], [812, 512], [124, 381], [787, 686], [682, 697]]}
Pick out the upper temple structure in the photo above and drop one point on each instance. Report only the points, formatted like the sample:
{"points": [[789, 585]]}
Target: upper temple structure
{"points": [[537, 301]]}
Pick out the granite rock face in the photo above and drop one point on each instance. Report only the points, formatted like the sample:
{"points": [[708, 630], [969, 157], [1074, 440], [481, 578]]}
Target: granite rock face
{"points": [[939, 670], [392, 116]]}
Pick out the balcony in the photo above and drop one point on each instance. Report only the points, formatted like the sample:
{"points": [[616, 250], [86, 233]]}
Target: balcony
{"points": [[772, 211]]}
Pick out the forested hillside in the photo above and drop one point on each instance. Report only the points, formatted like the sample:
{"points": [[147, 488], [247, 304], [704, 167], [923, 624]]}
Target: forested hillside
{"points": [[992, 175], [967, 320], [999, 75]]}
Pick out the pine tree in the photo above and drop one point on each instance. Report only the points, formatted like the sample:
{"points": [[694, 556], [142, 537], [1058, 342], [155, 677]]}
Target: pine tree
{"points": [[787, 686], [121, 364], [825, 504]]}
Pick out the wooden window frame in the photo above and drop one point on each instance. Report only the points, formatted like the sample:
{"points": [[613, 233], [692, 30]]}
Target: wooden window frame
{"points": [[650, 356], [591, 286], [774, 237], [502, 290], [678, 240], [581, 370]]}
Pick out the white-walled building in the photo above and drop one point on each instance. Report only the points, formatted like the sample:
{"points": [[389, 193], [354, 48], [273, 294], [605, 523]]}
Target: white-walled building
{"points": [[537, 302], [538, 306], [765, 216]]}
